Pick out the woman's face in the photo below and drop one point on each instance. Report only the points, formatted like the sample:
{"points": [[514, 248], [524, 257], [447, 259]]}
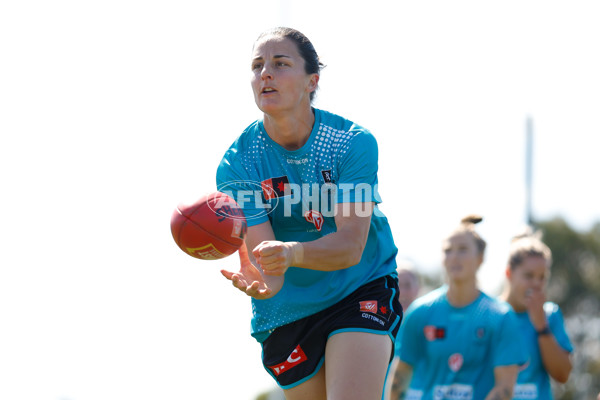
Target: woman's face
{"points": [[461, 258], [530, 276], [279, 81], [408, 288]]}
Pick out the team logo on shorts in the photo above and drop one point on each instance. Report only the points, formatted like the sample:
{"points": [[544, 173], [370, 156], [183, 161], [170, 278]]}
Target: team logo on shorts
{"points": [[296, 357], [371, 312], [368, 306], [455, 362], [371, 306]]}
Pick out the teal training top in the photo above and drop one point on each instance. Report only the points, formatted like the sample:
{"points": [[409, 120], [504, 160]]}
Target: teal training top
{"points": [[453, 351], [296, 192], [533, 381]]}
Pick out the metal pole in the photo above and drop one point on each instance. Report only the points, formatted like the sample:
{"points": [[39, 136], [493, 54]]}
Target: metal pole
{"points": [[529, 170]]}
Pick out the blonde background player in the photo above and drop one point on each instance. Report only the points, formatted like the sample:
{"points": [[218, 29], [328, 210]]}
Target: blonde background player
{"points": [[456, 341]]}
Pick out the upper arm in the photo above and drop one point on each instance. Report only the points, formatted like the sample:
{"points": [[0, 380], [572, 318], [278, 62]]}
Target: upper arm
{"points": [[357, 191], [257, 234], [505, 378], [411, 336], [506, 374], [509, 347], [402, 374], [358, 166], [355, 219], [557, 325], [403, 369]]}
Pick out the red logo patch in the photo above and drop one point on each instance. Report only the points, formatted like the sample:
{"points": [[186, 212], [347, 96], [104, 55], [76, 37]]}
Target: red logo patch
{"points": [[433, 332], [368, 306], [480, 333], [314, 217], [296, 357], [275, 187], [429, 332], [455, 362]]}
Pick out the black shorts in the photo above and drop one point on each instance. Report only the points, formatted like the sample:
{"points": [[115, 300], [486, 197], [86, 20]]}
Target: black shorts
{"points": [[295, 352]]}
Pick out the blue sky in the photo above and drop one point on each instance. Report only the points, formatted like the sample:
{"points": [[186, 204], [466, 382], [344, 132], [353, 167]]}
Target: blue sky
{"points": [[113, 112]]}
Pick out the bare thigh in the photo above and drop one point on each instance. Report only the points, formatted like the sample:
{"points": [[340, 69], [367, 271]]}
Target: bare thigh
{"points": [[356, 364], [313, 389]]}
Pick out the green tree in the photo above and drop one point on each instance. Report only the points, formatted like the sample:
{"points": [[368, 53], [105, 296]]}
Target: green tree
{"points": [[575, 286]]}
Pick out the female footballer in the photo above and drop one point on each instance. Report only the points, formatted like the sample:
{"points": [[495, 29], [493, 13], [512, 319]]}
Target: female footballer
{"points": [[319, 261]]}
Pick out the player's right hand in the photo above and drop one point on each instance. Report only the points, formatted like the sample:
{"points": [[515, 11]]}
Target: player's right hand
{"points": [[249, 279]]}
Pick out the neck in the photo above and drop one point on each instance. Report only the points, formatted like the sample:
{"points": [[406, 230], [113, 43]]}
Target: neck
{"points": [[506, 296], [461, 294], [291, 131]]}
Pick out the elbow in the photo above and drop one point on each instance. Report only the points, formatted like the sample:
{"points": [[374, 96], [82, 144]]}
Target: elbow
{"points": [[355, 254], [350, 260], [354, 258], [349, 247], [562, 376], [350, 257]]}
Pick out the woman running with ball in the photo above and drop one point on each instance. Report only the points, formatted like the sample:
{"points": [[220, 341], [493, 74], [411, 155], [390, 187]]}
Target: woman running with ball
{"points": [[319, 257], [457, 342]]}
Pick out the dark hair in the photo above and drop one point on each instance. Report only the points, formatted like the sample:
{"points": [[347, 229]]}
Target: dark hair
{"points": [[307, 51], [467, 225], [528, 244]]}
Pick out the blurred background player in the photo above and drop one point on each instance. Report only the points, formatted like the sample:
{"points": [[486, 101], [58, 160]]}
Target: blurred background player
{"points": [[456, 341], [409, 284], [540, 321]]}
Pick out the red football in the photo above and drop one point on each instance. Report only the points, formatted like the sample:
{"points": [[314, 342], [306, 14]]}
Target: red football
{"points": [[211, 228]]}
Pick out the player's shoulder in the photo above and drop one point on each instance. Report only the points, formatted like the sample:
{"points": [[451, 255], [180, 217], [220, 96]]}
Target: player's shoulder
{"points": [[551, 308], [249, 135], [432, 299], [495, 305], [338, 126], [248, 139], [332, 121]]}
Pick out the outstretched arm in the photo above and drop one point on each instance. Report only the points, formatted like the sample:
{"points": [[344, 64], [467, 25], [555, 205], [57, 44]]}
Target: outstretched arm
{"points": [[338, 250], [251, 279]]}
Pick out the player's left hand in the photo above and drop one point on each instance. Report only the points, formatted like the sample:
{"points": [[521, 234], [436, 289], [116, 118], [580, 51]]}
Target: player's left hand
{"points": [[534, 301], [276, 257]]}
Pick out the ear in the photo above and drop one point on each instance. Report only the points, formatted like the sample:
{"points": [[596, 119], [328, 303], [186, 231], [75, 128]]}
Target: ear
{"points": [[481, 259], [313, 82], [508, 273]]}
